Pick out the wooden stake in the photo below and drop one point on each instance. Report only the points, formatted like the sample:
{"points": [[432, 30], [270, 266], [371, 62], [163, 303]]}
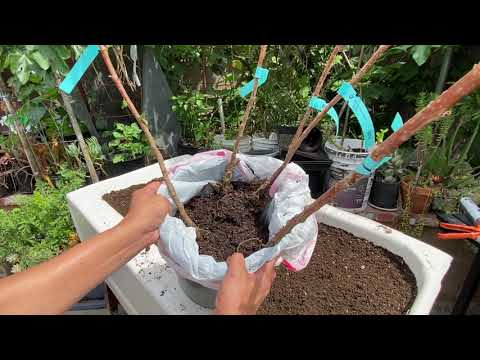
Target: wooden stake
{"points": [[251, 103], [143, 125], [67, 102], [432, 112]]}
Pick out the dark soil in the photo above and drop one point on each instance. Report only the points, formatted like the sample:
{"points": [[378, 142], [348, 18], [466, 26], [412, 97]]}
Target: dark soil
{"points": [[346, 275], [229, 221], [120, 199]]}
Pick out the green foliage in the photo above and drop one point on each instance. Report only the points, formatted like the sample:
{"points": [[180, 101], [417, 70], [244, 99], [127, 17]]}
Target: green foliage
{"points": [[393, 170], [380, 135], [41, 227], [442, 150], [75, 154], [128, 143]]}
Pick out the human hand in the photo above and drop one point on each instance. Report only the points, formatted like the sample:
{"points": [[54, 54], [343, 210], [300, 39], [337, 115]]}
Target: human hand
{"points": [[242, 293], [147, 211]]}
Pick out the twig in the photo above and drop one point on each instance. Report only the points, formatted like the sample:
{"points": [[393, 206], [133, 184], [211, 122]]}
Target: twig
{"points": [[251, 103], [432, 112], [296, 142], [151, 140]]}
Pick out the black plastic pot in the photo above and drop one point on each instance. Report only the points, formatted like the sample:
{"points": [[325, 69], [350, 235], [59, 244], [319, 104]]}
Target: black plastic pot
{"points": [[312, 143], [123, 167], [317, 166], [384, 195]]}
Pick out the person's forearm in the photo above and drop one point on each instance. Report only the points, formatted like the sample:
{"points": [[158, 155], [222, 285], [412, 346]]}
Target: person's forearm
{"points": [[54, 286]]}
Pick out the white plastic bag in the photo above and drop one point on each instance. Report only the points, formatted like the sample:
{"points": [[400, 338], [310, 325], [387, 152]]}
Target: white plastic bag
{"points": [[290, 193]]}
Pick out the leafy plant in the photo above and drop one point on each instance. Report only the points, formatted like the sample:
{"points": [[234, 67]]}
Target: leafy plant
{"points": [[128, 143], [393, 170], [74, 152], [41, 227], [380, 135], [442, 153]]}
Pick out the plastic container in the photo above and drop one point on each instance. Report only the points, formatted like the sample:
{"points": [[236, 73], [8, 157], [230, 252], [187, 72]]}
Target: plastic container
{"points": [[355, 198], [285, 136], [318, 173], [384, 196], [263, 144], [199, 294], [245, 143]]}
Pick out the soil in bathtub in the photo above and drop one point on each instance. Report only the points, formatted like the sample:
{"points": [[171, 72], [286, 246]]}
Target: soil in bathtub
{"points": [[346, 275], [229, 221], [120, 199]]}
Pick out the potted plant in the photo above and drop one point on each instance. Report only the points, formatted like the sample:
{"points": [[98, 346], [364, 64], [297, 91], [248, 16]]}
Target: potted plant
{"points": [[127, 150], [386, 185], [442, 170]]}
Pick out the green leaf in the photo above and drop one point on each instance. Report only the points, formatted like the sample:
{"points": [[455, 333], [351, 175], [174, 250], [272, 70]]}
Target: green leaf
{"points": [[23, 71], [124, 104], [62, 51], [117, 158], [237, 64], [421, 53], [40, 60], [305, 91]]}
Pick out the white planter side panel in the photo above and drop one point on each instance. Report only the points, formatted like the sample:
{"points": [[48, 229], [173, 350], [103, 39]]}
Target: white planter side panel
{"points": [[146, 285]]}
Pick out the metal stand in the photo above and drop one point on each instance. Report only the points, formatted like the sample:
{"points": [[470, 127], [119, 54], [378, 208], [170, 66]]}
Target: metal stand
{"points": [[470, 285]]}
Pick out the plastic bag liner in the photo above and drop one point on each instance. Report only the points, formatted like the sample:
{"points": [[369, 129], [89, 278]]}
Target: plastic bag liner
{"points": [[290, 193]]}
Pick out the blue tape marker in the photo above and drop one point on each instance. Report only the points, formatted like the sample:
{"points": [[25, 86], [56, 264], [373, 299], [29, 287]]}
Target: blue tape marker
{"points": [[319, 104], [80, 67], [397, 122], [261, 74], [369, 165], [361, 113]]}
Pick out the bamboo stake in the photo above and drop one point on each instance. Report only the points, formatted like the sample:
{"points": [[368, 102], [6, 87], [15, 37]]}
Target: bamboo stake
{"points": [[432, 112], [296, 142], [67, 102], [143, 124], [251, 103]]}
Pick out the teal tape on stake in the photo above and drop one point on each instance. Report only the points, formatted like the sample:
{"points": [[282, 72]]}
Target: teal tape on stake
{"points": [[397, 123], [319, 104], [369, 165], [261, 74], [361, 113], [80, 67]]}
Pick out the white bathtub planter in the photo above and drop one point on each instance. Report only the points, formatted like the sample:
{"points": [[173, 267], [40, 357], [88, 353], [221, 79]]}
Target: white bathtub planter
{"points": [[147, 285]]}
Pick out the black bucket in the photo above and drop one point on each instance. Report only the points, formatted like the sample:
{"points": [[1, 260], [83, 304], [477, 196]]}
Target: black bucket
{"points": [[384, 196], [317, 166]]}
